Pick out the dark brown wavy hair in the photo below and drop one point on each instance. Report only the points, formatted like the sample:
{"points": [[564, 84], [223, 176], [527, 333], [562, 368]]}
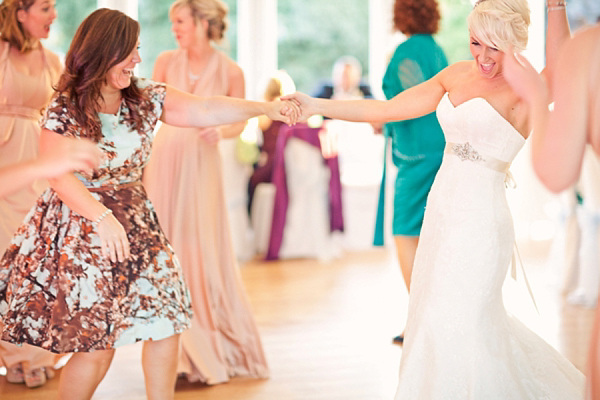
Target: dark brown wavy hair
{"points": [[105, 38], [416, 16], [11, 29]]}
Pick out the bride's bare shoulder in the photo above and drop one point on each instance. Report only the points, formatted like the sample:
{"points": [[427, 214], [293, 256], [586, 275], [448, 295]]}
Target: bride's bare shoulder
{"points": [[455, 73]]}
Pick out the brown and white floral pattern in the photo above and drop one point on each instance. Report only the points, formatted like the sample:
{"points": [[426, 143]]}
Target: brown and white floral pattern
{"points": [[58, 292]]}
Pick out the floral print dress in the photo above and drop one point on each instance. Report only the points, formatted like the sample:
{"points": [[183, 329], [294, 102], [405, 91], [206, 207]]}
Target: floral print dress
{"points": [[57, 290]]}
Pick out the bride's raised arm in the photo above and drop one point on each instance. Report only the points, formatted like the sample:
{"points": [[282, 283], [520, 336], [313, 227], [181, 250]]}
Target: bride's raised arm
{"points": [[415, 102]]}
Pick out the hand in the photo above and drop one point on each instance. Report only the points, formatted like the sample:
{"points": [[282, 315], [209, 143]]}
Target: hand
{"points": [[304, 102], [211, 136], [377, 127], [113, 239], [67, 155], [286, 111], [522, 77]]}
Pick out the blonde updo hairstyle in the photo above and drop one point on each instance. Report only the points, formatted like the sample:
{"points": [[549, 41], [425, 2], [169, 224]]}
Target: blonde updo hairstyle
{"points": [[11, 30], [212, 11], [501, 23]]}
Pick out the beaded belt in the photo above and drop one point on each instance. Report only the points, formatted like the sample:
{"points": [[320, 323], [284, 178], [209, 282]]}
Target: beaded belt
{"points": [[20, 111], [115, 187], [467, 152]]}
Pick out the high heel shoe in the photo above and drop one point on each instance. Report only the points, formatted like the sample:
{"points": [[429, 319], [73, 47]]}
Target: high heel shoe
{"points": [[399, 340]]}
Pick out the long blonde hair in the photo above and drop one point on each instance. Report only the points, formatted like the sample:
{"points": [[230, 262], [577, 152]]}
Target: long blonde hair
{"points": [[11, 30], [212, 11]]}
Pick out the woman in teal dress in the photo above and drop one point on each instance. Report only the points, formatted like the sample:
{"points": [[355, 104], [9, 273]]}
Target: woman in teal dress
{"points": [[417, 144]]}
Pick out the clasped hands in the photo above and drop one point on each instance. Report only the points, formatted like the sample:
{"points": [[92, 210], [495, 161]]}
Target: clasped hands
{"points": [[293, 108]]}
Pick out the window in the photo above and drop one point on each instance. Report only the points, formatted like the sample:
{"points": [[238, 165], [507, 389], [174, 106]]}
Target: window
{"points": [[314, 33], [70, 15]]}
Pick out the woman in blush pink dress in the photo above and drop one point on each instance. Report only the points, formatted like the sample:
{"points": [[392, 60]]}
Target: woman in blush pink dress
{"points": [[27, 73], [184, 181]]}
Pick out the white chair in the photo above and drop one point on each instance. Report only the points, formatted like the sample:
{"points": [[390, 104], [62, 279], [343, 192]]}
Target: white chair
{"points": [[307, 228], [262, 216]]}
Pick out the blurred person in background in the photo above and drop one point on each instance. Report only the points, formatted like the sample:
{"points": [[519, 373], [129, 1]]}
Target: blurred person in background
{"points": [[28, 72], [562, 136], [223, 341], [279, 85], [417, 144], [346, 81]]}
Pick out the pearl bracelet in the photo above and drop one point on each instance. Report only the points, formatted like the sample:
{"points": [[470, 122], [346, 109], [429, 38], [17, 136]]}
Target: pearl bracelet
{"points": [[103, 215], [556, 8]]}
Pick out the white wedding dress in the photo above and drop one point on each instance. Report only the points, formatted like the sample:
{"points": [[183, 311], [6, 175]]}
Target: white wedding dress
{"points": [[461, 344]]}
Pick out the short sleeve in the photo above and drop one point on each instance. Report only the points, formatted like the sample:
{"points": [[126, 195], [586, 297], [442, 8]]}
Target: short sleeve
{"points": [[156, 93], [57, 118]]}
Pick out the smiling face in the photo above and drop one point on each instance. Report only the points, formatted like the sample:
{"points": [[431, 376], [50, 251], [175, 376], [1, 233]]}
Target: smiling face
{"points": [[119, 75], [184, 26], [489, 59], [36, 20]]}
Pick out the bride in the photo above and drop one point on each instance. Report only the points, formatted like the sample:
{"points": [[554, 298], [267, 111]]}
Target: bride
{"points": [[460, 342]]}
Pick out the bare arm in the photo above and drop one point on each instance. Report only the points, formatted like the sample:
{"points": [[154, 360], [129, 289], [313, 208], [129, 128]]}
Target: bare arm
{"points": [[562, 134], [415, 102], [66, 155], [186, 110], [557, 34], [237, 89], [79, 199], [559, 137]]}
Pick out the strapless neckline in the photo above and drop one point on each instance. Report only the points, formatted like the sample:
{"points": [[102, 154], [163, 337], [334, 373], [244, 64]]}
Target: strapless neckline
{"points": [[495, 112]]}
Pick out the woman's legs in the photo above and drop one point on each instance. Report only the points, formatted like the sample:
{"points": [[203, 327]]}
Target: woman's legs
{"points": [[159, 360], [593, 367], [406, 248], [82, 374]]}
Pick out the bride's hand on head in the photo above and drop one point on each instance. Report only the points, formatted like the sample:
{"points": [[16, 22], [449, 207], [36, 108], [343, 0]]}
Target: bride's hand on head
{"points": [[523, 78]]}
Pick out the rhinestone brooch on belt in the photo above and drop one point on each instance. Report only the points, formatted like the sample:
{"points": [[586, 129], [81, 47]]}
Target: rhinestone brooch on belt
{"points": [[467, 152]]}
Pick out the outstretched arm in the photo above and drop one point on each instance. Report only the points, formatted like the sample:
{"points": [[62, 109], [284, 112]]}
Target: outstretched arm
{"points": [[186, 110], [66, 155], [415, 102]]}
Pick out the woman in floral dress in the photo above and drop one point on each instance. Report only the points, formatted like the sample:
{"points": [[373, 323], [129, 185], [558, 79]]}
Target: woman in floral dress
{"points": [[90, 269]]}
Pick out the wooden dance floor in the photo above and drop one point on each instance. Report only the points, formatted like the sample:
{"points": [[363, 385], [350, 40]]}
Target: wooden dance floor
{"points": [[327, 330]]}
